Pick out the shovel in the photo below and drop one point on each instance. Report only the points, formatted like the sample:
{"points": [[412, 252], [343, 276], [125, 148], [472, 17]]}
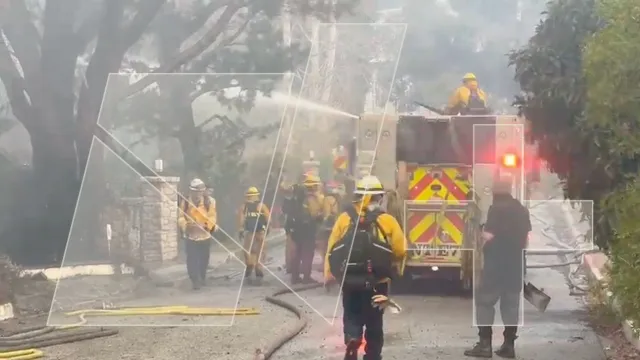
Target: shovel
{"points": [[536, 297]]}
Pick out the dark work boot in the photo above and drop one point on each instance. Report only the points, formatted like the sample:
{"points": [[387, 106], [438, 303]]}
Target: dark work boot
{"points": [[195, 284], [372, 357], [482, 349], [507, 350], [248, 271], [259, 273], [308, 280], [351, 353]]}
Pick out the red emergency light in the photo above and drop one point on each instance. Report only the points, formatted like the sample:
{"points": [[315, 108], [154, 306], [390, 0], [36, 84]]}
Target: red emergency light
{"points": [[510, 160]]}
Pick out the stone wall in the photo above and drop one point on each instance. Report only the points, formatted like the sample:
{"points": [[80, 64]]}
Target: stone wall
{"points": [[159, 237]]}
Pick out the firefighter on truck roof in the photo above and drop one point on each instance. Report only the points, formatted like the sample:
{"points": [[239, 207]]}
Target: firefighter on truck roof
{"points": [[253, 219], [363, 247], [468, 99]]}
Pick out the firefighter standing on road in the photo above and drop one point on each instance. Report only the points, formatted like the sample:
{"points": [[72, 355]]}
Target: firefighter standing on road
{"points": [[253, 218], [331, 210], [468, 99], [363, 247], [197, 220], [505, 235], [307, 216], [287, 211]]}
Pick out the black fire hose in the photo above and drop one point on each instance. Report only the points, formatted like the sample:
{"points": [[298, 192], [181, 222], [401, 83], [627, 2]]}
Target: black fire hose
{"points": [[303, 321], [44, 336]]}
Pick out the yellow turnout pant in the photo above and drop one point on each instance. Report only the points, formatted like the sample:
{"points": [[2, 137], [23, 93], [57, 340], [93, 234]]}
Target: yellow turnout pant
{"points": [[255, 255]]}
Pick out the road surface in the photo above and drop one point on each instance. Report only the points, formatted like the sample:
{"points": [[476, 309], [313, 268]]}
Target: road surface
{"points": [[436, 324]]}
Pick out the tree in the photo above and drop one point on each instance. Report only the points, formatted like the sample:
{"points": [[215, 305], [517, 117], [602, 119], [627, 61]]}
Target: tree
{"points": [[549, 70], [38, 65], [612, 117]]}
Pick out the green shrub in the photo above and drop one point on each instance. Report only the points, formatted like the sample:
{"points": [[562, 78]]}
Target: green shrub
{"points": [[624, 207]]}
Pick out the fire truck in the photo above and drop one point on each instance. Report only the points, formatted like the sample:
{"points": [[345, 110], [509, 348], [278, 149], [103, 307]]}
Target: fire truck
{"points": [[439, 173]]}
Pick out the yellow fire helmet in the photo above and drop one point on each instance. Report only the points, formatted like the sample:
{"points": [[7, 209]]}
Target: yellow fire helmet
{"points": [[469, 76], [369, 185], [252, 191], [311, 180]]}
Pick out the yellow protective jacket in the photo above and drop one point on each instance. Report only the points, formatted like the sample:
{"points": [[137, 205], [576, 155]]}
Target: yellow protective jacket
{"points": [[205, 218], [313, 205], [262, 209], [331, 206], [391, 231], [460, 98]]}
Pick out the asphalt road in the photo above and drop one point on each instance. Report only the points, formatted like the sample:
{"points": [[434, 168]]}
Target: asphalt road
{"points": [[434, 324]]}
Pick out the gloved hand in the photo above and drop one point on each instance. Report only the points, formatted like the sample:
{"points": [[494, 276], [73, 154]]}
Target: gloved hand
{"points": [[380, 302], [329, 282]]}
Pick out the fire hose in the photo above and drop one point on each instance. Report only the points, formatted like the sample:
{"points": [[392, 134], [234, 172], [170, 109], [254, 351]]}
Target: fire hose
{"points": [[25, 344], [303, 320]]}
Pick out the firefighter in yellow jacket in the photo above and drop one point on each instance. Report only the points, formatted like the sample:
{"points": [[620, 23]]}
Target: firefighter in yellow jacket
{"points": [[307, 215], [365, 247], [331, 210], [197, 219], [287, 190], [253, 219], [468, 99]]}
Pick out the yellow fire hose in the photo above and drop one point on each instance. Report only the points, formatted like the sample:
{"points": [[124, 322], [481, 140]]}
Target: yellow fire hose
{"points": [[22, 354], [23, 345]]}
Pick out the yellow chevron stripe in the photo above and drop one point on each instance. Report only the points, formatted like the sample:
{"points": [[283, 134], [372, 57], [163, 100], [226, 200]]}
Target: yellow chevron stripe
{"points": [[454, 174], [427, 221], [454, 233]]}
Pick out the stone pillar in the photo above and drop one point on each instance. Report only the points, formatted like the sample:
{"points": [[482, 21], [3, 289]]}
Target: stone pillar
{"points": [[159, 238]]}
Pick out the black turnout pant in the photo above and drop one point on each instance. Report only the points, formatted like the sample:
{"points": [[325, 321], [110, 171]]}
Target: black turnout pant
{"points": [[359, 317], [305, 240], [198, 252], [485, 301]]}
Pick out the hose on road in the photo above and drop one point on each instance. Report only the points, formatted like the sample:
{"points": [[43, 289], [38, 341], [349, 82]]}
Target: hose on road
{"points": [[303, 321], [25, 344]]}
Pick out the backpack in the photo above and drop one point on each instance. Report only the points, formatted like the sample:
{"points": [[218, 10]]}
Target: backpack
{"points": [[359, 260], [208, 201], [475, 105]]}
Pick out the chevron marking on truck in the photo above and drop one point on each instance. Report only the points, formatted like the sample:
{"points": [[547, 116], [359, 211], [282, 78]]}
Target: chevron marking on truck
{"points": [[453, 188], [422, 228]]}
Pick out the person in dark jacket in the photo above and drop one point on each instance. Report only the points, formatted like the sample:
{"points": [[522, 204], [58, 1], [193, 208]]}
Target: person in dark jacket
{"points": [[505, 236]]}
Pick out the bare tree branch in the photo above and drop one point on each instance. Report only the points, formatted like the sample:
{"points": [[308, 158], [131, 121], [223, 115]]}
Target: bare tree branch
{"points": [[200, 65], [146, 12], [87, 31], [106, 59], [204, 14], [25, 40], [191, 52], [14, 85]]}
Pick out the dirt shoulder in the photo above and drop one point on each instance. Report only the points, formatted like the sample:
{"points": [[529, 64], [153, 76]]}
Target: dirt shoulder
{"points": [[607, 325]]}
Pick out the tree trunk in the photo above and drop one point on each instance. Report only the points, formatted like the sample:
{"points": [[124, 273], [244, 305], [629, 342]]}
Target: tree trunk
{"points": [[189, 142], [55, 187]]}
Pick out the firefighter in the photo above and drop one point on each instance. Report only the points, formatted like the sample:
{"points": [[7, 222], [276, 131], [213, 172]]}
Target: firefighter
{"points": [[253, 218], [505, 236], [365, 268], [331, 210], [307, 216], [197, 220], [287, 211], [468, 99]]}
